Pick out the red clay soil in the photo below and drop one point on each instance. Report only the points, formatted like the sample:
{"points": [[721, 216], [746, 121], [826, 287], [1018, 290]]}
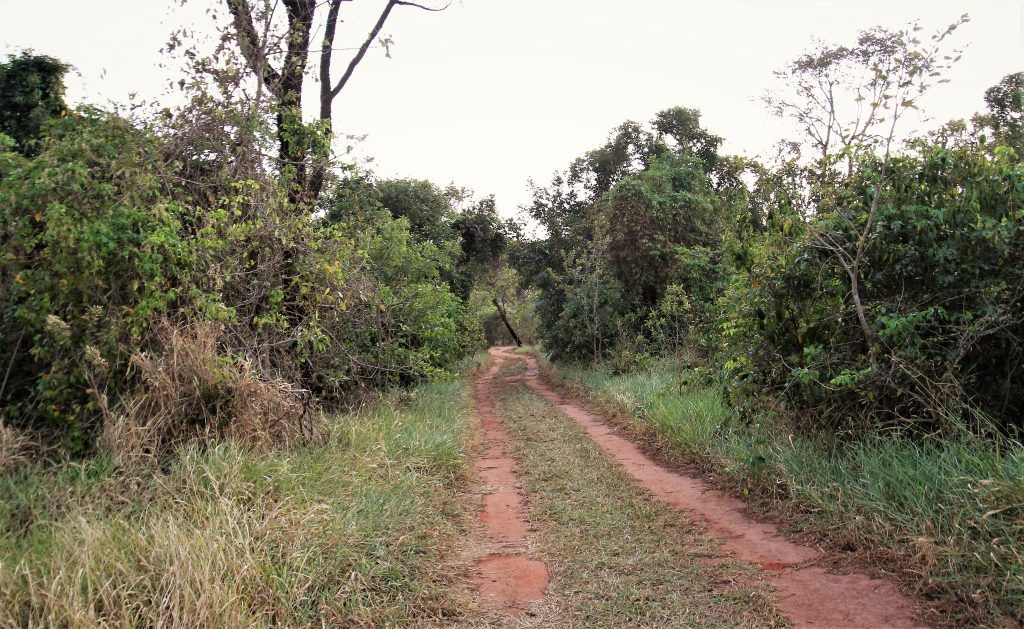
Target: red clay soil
{"points": [[807, 594], [508, 579]]}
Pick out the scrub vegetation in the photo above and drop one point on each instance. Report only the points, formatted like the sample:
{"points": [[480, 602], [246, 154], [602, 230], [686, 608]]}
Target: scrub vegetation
{"points": [[232, 361], [837, 331]]}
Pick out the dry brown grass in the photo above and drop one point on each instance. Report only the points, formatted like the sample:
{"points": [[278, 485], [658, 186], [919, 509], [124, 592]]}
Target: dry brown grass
{"points": [[191, 389], [16, 447], [349, 530]]}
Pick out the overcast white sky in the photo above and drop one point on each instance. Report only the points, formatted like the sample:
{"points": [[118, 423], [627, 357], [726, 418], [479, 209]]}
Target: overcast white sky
{"points": [[492, 92]]}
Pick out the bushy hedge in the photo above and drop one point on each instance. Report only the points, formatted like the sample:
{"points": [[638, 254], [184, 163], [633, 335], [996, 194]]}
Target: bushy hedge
{"points": [[942, 288], [756, 272], [102, 243]]}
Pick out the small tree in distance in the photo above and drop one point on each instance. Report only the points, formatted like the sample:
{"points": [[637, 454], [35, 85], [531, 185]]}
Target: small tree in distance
{"points": [[849, 101]]}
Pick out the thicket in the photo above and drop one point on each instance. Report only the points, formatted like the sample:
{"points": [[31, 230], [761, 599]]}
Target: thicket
{"points": [[863, 279], [836, 331], [173, 274]]}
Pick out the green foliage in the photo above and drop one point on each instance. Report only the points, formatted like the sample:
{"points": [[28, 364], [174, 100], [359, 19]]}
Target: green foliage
{"points": [[1005, 102], [847, 99], [93, 253], [874, 285], [336, 307], [592, 304], [428, 210], [504, 285], [31, 93], [471, 232], [422, 327], [651, 217], [620, 222], [680, 127], [483, 239], [940, 285], [112, 231]]}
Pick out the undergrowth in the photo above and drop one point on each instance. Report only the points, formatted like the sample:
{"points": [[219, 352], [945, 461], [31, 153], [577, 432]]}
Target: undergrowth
{"points": [[949, 514], [347, 530]]}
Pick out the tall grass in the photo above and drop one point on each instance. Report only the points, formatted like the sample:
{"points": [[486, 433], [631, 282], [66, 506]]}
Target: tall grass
{"points": [[349, 530], [948, 514]]}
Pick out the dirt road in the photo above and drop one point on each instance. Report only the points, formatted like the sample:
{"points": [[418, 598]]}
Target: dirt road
{"points": [[586, 529]]}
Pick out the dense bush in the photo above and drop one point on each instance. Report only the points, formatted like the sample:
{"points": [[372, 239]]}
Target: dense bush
{"points": [[873, 282], [625, 222], [941, 289], [128, 247], [92, 254]]}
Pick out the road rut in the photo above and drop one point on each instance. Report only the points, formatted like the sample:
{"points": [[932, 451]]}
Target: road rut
{"points": [[807, 594]]}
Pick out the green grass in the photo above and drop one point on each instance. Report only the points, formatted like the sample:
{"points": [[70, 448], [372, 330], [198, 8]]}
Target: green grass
{"points": [[618, 557], [354, 529], [948, 515]]}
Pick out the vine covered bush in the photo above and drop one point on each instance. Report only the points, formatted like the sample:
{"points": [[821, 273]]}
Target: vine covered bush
{"points": [[127, 247], [942, 294]]}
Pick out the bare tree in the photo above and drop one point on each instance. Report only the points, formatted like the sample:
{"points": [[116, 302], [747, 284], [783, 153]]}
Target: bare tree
{"points": [[846, 98], [304, 153]]}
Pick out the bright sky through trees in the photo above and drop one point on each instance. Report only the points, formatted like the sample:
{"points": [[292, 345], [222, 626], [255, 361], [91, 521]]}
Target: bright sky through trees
{"points": [[492, 92]]}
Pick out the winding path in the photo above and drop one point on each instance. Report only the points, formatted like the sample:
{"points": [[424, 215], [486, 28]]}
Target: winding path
{"points": [[807, 594]]}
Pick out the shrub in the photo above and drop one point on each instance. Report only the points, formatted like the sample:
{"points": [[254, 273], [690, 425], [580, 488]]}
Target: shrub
{"points": [[100, 245], [92, 252], [941, 287]]}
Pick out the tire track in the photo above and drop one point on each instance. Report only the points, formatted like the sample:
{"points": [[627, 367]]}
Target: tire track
{"points": [[807, 594], [507, 579]]}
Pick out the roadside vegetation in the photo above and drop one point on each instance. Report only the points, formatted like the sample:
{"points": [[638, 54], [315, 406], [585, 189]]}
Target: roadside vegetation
{"points": [[229, 359], [215, 269], [932, 511], [354, 529], [838, 330]]}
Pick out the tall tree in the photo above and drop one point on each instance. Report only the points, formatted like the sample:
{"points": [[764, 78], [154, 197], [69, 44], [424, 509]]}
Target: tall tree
{"points": [[303, 152], [1005, 116], [31, 92]]}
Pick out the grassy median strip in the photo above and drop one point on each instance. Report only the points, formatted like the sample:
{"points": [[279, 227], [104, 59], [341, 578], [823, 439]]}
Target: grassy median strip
{"points": [[616, 556], [348, 531], [950, 514]]}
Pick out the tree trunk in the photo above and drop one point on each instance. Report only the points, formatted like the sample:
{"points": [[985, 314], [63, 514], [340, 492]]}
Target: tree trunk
{"points": [[303, 166], [504, 319]]}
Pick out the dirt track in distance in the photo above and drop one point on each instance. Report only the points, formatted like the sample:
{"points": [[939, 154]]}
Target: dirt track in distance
{"points": [[805, 593], [508, 579]]}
